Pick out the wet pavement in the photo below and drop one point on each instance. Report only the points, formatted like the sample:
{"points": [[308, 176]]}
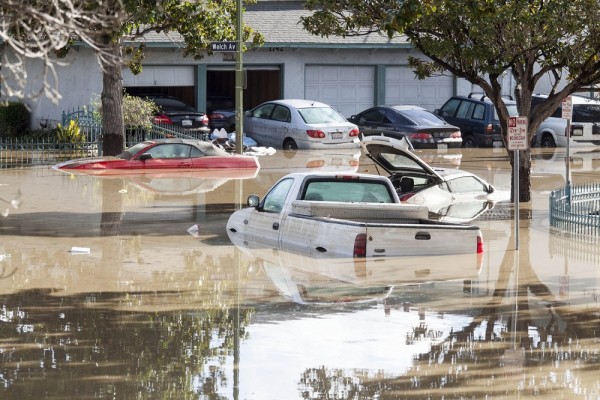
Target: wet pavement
{"points": [[129, 287]]}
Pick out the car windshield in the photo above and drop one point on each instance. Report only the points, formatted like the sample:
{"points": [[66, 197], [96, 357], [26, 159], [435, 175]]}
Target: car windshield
{"points": [[512, 111], [173, 105], [320, 115], [128, 153], [422, 117]]}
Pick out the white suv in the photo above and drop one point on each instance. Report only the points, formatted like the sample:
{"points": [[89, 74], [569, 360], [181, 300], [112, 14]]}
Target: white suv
{"points": [[585, 125]]}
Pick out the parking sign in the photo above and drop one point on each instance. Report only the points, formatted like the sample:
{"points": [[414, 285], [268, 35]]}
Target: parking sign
{"points": [[517, 133], [567, 108]]}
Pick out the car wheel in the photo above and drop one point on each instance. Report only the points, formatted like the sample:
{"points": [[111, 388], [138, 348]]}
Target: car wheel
{"points": [[289, 144], [548, 142], [468, 142]]}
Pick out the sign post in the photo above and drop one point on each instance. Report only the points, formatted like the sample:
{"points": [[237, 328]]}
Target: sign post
{"points": [[567, 113], [517, 140]]}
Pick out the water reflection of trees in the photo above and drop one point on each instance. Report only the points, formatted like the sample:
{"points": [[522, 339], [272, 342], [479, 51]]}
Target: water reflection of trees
{"points": [[66, 347], [524, 341]]}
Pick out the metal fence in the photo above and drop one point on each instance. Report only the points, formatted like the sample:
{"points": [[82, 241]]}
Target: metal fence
{"points": [[46, 150], [576, 209]]}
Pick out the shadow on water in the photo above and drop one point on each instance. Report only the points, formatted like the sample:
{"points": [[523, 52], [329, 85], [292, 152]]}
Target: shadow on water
{"points": [[153, 311]]}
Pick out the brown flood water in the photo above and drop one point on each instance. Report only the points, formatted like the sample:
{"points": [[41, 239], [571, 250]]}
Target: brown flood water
{"points": [[150, 308]]}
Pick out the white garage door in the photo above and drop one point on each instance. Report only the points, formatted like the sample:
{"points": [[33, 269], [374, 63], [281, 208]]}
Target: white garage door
{"points": [[350, 89], [402, 87], [164, 75]]}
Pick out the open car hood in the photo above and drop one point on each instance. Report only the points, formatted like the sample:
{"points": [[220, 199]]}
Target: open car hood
{"points": [[396, 156]]}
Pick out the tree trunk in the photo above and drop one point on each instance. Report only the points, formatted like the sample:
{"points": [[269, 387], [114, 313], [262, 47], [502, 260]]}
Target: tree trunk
{"points": [[524, 171], [112, 104]]}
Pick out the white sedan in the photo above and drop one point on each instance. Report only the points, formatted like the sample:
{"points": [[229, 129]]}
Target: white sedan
{"points": [[449, 194], [299, 124]]}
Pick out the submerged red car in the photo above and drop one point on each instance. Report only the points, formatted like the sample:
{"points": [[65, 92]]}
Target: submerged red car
{"points": [[166, 155]]}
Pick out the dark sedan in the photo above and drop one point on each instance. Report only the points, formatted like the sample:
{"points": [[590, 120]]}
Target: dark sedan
{"points": [[222, 119], [172, 111], [424, 129]]}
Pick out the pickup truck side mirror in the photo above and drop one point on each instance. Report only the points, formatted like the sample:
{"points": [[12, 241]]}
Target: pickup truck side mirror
{"points": [[145, 156], [248, 113], [253, 201]]}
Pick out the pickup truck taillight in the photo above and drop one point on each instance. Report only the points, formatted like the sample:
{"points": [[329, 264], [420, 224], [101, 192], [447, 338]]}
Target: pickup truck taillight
{"points": [[313, 133], [360, 245], [489, 128], [354, 132], [479, 244]]}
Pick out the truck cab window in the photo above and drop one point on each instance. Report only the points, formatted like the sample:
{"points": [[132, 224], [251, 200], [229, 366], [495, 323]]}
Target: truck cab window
{"points": [[275, 199]]}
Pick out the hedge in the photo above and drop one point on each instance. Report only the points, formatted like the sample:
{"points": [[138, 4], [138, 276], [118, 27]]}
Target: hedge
{"points": [[14, 119]]}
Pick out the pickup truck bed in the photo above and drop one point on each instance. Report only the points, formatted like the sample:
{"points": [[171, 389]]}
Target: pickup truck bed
{"points": [[363, 212]]}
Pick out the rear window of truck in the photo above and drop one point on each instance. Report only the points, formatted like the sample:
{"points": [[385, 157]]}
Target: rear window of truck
{"points": [[349, 191]]}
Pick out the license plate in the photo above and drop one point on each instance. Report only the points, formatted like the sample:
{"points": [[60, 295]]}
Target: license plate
{"points": [[186, 122], [442, 146], [497, 144], [577, 131], [337, 135]]}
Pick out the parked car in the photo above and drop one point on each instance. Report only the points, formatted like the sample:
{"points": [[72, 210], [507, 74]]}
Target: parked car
{"points": [[424, 129], [222, 119], [450, 194], [299, 124], [477, 119], [172, 111], [551, 133], [585, 123], [169, 155]]}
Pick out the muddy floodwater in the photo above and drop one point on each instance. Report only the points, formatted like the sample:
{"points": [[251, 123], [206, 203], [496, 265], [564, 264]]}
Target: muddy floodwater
{"points": [[129, 288]]}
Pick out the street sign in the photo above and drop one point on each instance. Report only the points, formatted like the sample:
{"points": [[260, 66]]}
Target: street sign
{"points": [[567, 108], [224, 46], [517, 133]]}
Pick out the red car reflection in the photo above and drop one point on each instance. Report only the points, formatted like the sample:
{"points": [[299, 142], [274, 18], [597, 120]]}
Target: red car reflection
{"points": [[168, 155]]}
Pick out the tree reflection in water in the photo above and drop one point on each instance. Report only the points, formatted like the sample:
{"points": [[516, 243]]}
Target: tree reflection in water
{"points": [[523, 342], [74, 347]]}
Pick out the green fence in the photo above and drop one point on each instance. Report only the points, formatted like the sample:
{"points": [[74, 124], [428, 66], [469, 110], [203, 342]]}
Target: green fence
{"points": [[576, 208]]}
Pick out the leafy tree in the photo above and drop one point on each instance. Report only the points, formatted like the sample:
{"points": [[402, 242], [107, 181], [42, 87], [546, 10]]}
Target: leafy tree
{"points": [[481, 42], [42, 29], [195, 23]]}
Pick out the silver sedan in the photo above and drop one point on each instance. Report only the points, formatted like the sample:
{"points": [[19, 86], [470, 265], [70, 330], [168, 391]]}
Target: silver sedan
{"points": [[299, 124]]}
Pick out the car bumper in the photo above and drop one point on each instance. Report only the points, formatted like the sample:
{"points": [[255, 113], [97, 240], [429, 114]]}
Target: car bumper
{"points": [[303, 145]]}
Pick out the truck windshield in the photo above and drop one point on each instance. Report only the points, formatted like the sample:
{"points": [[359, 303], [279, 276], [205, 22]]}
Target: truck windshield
{"points": [[348, 191]]}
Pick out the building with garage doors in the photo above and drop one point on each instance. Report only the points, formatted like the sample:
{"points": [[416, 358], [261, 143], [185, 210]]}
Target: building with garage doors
{"points": [[350, 73]]}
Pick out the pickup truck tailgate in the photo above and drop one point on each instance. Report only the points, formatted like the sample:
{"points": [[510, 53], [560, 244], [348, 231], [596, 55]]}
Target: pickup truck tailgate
{"points": [[385, 240]]}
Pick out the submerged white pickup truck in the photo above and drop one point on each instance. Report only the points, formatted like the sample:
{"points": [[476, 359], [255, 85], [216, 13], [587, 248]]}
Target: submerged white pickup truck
{"points": [[346, 215]]}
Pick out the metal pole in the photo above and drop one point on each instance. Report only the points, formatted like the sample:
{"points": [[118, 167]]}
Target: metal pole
{"points": [[568, 161], [239, 83], [516, 196]]}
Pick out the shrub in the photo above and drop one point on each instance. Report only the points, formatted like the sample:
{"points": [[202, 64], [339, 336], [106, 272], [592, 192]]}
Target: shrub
{"points": [[14, 119], [137, 112], [70, 134]]}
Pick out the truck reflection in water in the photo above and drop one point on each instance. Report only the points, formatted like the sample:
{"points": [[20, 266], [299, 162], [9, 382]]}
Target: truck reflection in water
{"points": [[321, 278]]}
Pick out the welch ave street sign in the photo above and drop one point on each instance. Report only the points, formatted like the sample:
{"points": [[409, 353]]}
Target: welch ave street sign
{"points": [[223, 46]]}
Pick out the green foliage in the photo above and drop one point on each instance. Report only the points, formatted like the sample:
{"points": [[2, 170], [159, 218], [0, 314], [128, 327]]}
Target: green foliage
{"points": [[14, 119], [137, 112], [198, 24], [70, 134]]}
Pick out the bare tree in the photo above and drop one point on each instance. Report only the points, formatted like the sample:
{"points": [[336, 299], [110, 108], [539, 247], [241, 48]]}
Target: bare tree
{"points": [[43, 30]]}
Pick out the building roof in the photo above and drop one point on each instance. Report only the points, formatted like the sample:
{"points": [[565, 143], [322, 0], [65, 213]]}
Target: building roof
{"points": [[279, 22]]}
